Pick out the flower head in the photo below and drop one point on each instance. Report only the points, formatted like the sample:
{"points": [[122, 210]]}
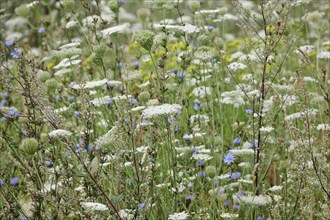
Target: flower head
{"points": [[41, 30], [15, 53], [9, 43], [181, 75], [229, 158], [197, 105], [14, 181]]}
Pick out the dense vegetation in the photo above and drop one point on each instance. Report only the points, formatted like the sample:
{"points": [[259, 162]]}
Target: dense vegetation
{"points": [[164, 109]]}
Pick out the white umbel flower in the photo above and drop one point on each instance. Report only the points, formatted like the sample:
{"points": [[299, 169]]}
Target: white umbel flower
{"points": [[229, 215], [66, 62], [236, 66], [93, 206], [260, 200], [323, 127], [233, 98], [178, 216], [202, 91], [59, 133], [165, 109], [267, 129], [242, 151], [324, 55], [91, 84], [115, 29]]}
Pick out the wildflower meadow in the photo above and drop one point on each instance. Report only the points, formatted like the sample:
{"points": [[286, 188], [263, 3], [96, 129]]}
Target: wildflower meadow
{"points": [[165, 109]]}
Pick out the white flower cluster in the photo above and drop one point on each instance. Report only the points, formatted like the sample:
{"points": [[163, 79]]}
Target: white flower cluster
{"points": [[165, 109], [115, 29], [59, 133], [178, 216], [93, 206]]}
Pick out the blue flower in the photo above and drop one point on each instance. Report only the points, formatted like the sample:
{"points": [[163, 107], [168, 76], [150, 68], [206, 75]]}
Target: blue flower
{"points": [[141, 205], [41, 30], [1, 182], [190, 197], [211, 28], [70, 98], [200, 163], [133, 101], [5, 95], [144, 122], [236, 207], [229, 158], [15, 53], [186, 137], [175, 70], [48, 162], [248, 111], [240, 193], [3, 119], [9, 43], [109, 102], [170, 120], [176, 129], [259, 218], [58, 98], [215, 183], [12, 113], [136, 65], [181, 75], [77, 114], [255, 144], [197, 105], [14, 181], [227, 203], [119, 65], [237, 141], [3, 103], [121, 1], [202, 174], [236, 175]]}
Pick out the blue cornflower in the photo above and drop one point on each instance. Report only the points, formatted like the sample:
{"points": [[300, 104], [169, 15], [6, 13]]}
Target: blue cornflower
{"points": [[141, 205], [259, 218], [236, 207], [12, 113], [227, 203], [9, 43], [255, 144], [176, 128], [211, 28], [133, 101], [5, 95], [215, 183], [240, 193], [202, 174], [181, 75], [70, 98], [109, 102], [190, 197], [58, 98], [77, 114], [248, 111], [14, 181], [144, 122], [3, 119], [41, 30], [186, 137], [237, 141], [48, 162], [15, 53], [170, 119], [236, 175], [121, 1], [3, 103], [200, 163], [229, 158], [24, 218], [198, 105], [1, 182], [175, 70], [136, 65]]}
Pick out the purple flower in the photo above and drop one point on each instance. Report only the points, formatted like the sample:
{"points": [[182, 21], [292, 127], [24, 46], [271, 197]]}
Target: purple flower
{"points": [[200, 163], [240, 193], [181, 75], [227, 203], [12, 113], [48, 162], [255, 144], [186, 137], [133, 101], [77, 114], [236, 175], [176, 129], [15, 53], [229, 158], [3, 119], [119, 65], [248, 111], [259, 218], [9, 43], [202, 174], [190, 197], [236, 207], [197, 105], [41, 30], [215, 183], [14, 181], [70, 98], [136, 65], [1, 182], [141, 205], [175, 70], [121, 1], [3, 103], [109, 102], [211, 28], [58, 98], [5, 95], [144, 122], [237, 141]]}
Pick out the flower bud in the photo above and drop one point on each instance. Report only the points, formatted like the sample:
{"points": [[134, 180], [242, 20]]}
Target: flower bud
{"points": [[43, 76], [144, 97], [114, 6], [195, 6], [210, 171], [51, 85], [29, 146], [145, 39], [22, 10], [204, 40], [143, 14], [69, 4]]}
